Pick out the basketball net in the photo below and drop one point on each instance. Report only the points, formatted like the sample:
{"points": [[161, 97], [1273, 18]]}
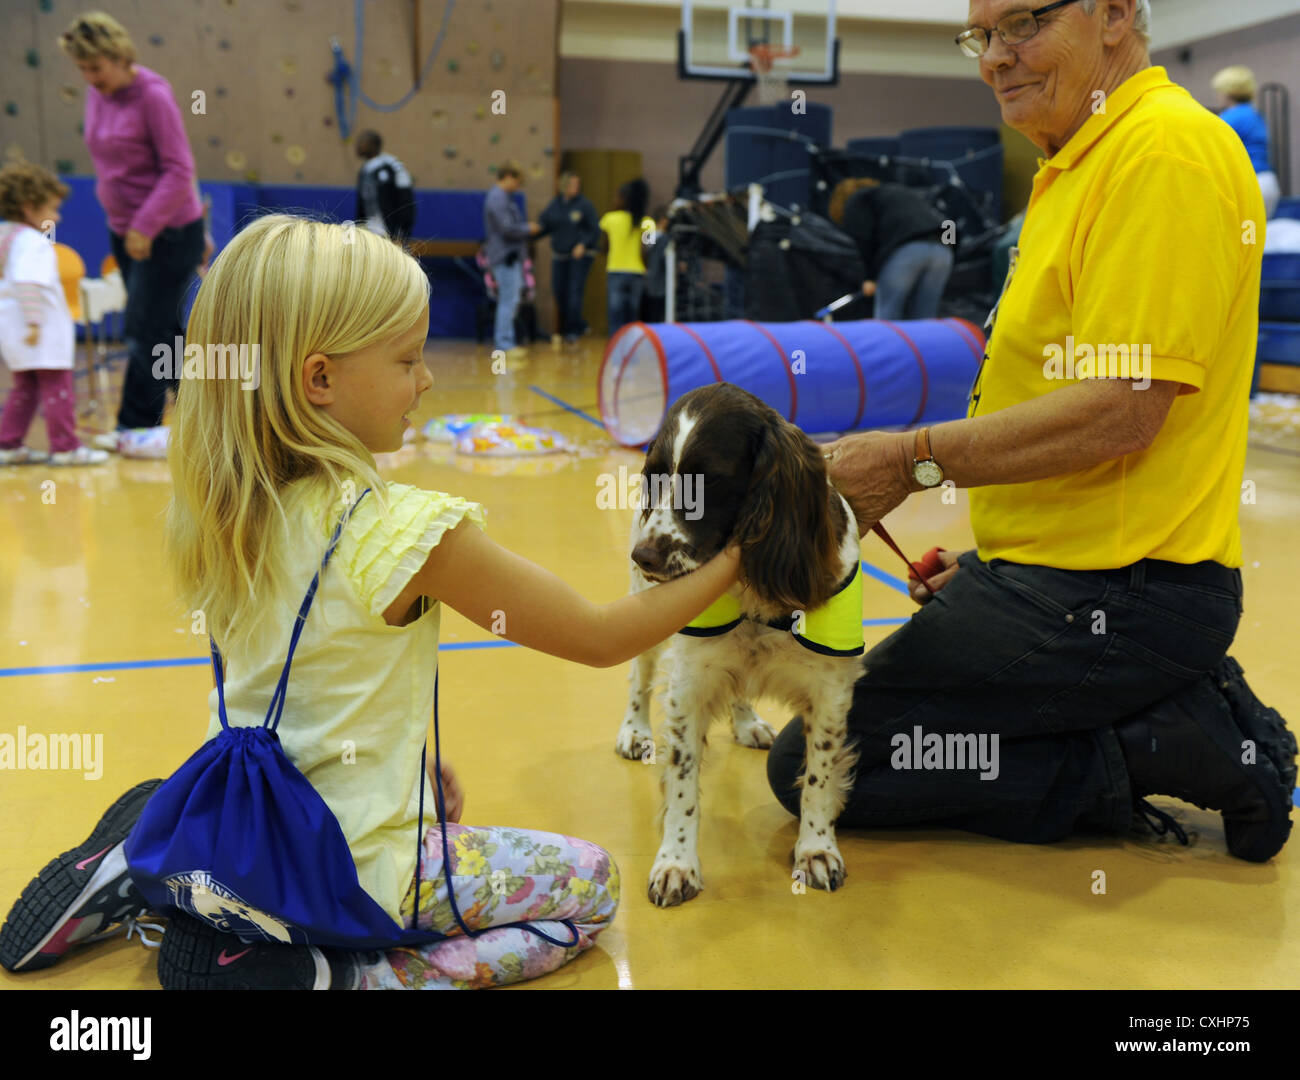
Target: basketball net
{"points": [[769, 65]]}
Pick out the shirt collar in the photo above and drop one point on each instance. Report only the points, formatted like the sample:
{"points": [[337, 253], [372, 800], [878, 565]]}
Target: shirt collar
{"points": [[1117, 103]]}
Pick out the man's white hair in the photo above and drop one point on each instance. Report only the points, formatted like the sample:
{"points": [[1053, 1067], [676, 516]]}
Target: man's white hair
{"points": [[1141, 21]]}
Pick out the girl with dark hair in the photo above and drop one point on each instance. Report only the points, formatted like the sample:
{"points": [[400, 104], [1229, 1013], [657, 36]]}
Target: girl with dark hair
{"points": [[627, 231]]}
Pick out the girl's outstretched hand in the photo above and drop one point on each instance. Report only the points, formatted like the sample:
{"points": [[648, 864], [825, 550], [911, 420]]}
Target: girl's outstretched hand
{"points": [[453, 794]]}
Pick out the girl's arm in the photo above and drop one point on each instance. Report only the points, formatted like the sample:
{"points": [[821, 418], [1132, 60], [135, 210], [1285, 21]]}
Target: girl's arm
{"points": [[508, 595]]}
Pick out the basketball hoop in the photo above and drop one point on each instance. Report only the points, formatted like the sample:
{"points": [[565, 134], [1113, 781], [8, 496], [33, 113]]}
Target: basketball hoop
{"points": [[769, 63]]}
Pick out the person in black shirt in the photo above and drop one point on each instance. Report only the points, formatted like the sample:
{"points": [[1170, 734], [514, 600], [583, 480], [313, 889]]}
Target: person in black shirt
{"points": [[899, 235], [385, 197], [571, 222]]}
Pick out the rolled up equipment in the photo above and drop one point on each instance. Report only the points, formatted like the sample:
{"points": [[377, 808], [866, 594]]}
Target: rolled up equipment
{"points": [[823, 377]]}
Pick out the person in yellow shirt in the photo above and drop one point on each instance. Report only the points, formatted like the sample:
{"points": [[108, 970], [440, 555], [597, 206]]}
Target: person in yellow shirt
{"points": [[627, 231], [1087, 634]]}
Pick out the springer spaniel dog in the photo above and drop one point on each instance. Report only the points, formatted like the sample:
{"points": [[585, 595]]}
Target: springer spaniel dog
{"points": [[725, 463]]}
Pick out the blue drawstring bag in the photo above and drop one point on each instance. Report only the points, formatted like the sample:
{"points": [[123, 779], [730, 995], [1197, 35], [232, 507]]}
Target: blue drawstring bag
{"points": [[239, 838]]}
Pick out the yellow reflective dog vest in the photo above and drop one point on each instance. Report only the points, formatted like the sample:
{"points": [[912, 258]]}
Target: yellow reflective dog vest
{"points": [[834, 629]]}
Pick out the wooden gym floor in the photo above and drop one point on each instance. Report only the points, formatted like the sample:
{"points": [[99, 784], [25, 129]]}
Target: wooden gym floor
{"points": [[90, 641]]}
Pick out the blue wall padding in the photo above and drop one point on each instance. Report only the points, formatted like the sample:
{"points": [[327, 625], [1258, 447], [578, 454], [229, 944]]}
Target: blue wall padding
{"points": [[445, 215], [750, 157], [866, 374]]}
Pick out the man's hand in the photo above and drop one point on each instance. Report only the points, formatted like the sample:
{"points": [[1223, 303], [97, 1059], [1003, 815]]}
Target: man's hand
{"points": [[919, 593], [138, 246], [868, 288], [873, 471], [452, 793], [579, 251], [533, 228]]}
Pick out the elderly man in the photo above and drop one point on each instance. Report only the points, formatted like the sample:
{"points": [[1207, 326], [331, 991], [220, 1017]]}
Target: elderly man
{"points": [[1088, 631]]}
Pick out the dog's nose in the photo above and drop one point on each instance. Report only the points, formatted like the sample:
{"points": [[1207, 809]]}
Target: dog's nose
{"points": [[648, 557]]}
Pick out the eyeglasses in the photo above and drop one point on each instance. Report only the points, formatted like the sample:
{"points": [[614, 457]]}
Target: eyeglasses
{"points": [[1015, 29]]}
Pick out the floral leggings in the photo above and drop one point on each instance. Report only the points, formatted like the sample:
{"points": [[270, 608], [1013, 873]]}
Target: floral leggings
{"points": [[500, 876]]}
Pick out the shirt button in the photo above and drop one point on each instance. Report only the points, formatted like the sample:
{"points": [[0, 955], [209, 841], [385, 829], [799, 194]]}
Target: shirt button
{"points": [[1069, 618]]}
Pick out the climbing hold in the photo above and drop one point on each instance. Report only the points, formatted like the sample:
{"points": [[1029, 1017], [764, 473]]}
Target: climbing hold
{"points": [[11, 109], [214, 140], [63, 166], [297, 176], [498, 60], [531, 71], [277, 139], [295, 155], [69, 93], [532, 130], [548, 150], [288, 91], [472, 48], [235, 160], [496, 137], [251, 176], [47, 5], [449, 152], [221, 91], [155, 39], [223, 44], [439, 116], [288, 66], [480, 112], [536, 171], [33, 58], [328, 121], [453, 66]]}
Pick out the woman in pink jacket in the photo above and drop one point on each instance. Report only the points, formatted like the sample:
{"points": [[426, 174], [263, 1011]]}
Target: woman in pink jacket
{"points": [[146, 183]]}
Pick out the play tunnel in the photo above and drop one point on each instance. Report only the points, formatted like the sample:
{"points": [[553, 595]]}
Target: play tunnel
{"points": [[823, 377]]}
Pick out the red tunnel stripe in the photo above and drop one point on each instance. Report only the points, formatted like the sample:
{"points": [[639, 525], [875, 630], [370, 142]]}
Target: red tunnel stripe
{"points": [[857, 364], [708, 354], [794, 392], [920, 362]]}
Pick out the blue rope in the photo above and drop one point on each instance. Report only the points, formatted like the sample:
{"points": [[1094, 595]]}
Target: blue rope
{"points": [[345, 75]]}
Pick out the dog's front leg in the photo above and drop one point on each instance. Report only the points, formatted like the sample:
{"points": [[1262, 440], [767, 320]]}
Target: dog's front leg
{"points": [[675, 876], [826, 783], [635, 739]]}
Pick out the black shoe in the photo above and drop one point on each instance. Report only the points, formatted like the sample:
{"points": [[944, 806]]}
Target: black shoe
{"points": [[1260, 723], [1189, 746], [79, 895], [197, 956]]}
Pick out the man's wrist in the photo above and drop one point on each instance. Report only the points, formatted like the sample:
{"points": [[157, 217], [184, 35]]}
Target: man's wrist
{"points": [[906, 447]]}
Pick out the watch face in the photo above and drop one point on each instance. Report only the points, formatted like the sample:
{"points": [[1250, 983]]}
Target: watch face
{"points": [[927, 473]]}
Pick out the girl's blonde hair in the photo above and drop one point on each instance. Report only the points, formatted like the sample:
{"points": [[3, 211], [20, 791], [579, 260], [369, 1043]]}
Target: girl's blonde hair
{"points": [[97, 34], [24, 186], [1236, 83], [292, 287]]}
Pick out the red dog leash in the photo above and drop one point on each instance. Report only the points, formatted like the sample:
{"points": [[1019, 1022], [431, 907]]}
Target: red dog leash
{"points": [[930, 564]]}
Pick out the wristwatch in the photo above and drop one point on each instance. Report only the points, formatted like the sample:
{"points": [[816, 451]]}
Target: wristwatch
{"points": [[925, 469]]}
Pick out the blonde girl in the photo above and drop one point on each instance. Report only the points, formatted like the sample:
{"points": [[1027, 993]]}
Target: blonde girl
{"points": [[262, 476]]}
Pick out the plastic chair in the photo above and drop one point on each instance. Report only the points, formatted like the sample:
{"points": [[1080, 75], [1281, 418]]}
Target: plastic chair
{"points": [[71, 270], [90, 300]]}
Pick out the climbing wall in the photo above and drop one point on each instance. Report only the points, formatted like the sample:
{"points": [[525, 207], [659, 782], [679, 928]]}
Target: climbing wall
{"points": [[251, 80]]}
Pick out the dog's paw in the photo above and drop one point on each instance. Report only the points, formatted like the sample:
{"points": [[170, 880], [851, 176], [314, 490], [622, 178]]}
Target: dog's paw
{"points": [[751, 731], [635, 742], [822, 866], [673, 882]]}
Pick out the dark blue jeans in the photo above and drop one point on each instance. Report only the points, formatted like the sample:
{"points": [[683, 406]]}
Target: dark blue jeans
{"points": [[912, 281], [569, 284], [623, 290], [155, 295], [1050, 661]]}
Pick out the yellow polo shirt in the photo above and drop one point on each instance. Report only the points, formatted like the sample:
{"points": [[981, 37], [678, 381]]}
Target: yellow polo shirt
{"points": [[1145, 230]]}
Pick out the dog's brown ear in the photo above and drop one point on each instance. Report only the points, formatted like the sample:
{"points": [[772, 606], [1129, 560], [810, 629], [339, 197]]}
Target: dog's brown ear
{"points": [[789, 545]]}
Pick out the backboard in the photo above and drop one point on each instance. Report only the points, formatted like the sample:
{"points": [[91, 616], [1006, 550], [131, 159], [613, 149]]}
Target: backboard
{"points": [[716, 35]]}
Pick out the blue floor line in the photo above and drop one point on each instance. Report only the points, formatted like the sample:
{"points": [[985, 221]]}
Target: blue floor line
{"points": [[203, 661], [565, 405], [886, 578]]}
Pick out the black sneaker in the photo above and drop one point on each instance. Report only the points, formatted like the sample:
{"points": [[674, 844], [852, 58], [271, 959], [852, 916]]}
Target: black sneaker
{"points": [[79, 895], [1189, 746], [1260, 723], [197, 956]]}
